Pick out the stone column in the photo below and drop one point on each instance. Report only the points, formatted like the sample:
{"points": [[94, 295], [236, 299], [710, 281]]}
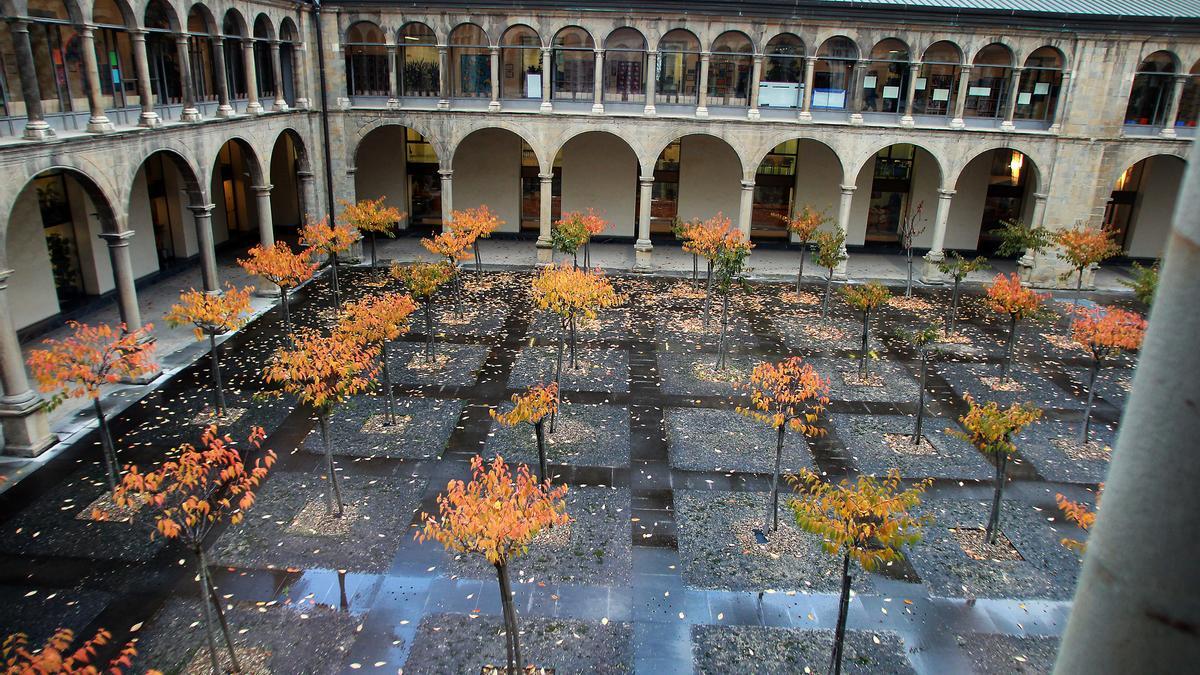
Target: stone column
{"points": [[547, 66], [642, 248], [545, 253], [22, 412], [280, 103], [1010, 104], [960, 98], [189, 112], [755, 77], [910, 95], [1060, 105], [598, 84], [810, 65], [300, 75], [307, 194], [930, 273], [447, 196], [224, 109], [36, 128], [122, 269], [702, 93], [98, 121], [494, 62], [651, 83], [843, 222], [746, 208], [266, 233], [1168, 130], [393, 77], [1028, 259], [208, 253], [141, 65], [253, 107], [860, 72], [443, 77]]}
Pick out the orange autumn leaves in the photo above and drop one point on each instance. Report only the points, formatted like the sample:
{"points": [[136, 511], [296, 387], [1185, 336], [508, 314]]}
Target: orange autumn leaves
{"points": [[279, 265], [92, 356], [464, 229], [1108, 331], [57, 657], [533, 406], [376, 318], [211, 313], [323, 371], [790, 392], [1006, 295], [706, 238], [990, 428], [319, 235], [568, 291], [370, 215]]}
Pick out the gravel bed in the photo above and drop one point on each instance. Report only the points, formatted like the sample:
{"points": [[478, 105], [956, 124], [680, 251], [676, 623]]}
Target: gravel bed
{"points": [[1034, 387], [584, 435], [706, 439], [477, 319], [423, 426], [864, 439], [765, 649], [610, 325], [39, 612], [175, 416], [459, 364], [268, 538], [1047, 570], [992, 654], [898, 384], [812, 334], [1112, 384], [453, 643], [600, 369], [681, 372], [1045, 444], [686, 330]]}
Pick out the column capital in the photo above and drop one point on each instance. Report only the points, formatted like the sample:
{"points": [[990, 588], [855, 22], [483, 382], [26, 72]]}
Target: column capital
{"points": [[116, 239], [446, 174], [218, 40], [546, 50], [1180, 79], [646, 180], [4, 275], [810, 59], [651, 52], [914, 65], [202, 210], [138, 34], [262, 190], [848, 189], [758, 57], [86, 29], [747, 185], [304, 174], [943, 193], [599, 51], [546, 177], [704, 55], [19, 25], [443, 49], [182, 38], [1040, 196]]}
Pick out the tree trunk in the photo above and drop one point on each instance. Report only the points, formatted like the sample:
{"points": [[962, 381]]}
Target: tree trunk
{"points": [[387, 384], [337, 303], [708, 279], [334, 495], [374, 257], [1006, 365], [587, 255], [539, 431], [993, 524], [287, 312], [219, 394], [106, 447], [862, 364], [839, 636], [516, 664], [1087, 411], [206, 600], [571, 324], [429, 331], [558, 361], [695, 268], [721, 358], [908, 283], [773, 512], [216, 602], [478, 258], [952, 325], [575, 258], [921, 398], [828, 288], [800, 272]]}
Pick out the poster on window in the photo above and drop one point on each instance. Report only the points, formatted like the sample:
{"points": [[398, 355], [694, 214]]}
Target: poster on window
{"points": [[533, 85], [829, 98], [779, 94]]}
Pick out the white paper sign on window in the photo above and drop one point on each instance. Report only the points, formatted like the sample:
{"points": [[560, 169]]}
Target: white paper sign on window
{"points": [[779, 94], [533, 85], [979, 91], [869, 82], [891, 92], [1024, 98], [920, 84], [1041, 88], [941, 94], [829, 98]]}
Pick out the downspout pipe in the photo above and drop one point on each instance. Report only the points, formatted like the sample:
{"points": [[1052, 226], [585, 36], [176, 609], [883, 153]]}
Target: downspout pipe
{"points": [[316, 5]]}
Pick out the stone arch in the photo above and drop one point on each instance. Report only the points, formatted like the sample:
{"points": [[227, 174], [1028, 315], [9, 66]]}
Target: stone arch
{"points": [[491, 168], [881, 198], [287, 160], [612, 129], [439, 143], [114, 13], [264, 28], [233, 24], [932, 151], [1141, 205], [164, 12], [953, 170], [161, 188], [236, 212], [205, 14], [703, 171], [1151, 51], [607, 180], [983, 198], [288, 32], [389, 162]]}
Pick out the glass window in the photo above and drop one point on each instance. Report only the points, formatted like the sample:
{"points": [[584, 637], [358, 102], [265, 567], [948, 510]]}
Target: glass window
{"points": [[774, 183], [782, 84], [264, 67], [832, 74], [531, 190], [521, 63], [664, 195], [162, 54], [935, 88], [1189, 104], [886, 79], [424, 183], [729, 69], [56, 57], [200, 55], [235, 65], [678, 68], [574, 65], [418, 61], [470, 62], [59, 227], [366, 60], [1041, 79], [890, 190], [987, 91], [1150, 96], [625, 66], [1005, 198]]}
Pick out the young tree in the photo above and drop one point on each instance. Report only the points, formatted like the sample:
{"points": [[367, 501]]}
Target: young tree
{"points": [[910, 227], [423, 281], [212, 314], [866, 299], [1105, 333], [803, 225], [1006, 295], [869, 521], [685, 231], [281, 266], [705, 240], [1083, 246], [728, 267], [190, 494], [574, 231], [375, 321], [1081, 515], [56, 657], [1144, 282], [831, 251], [923, 340], [496, 515], [572, 294], [331, 240], [990, 429], [322, 373], [1017, 237], [473, 225], [534, 406], [373, 217], [452, 247], [958, 267], [595, 226], [789, 394], [81, 363]]}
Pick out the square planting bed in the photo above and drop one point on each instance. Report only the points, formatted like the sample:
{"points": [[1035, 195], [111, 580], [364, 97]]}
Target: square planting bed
{"points": [[982, 381], [721, 650], [717, 547], [610, 325], [706, 439], [454, 643], [289, 527], [694, 373], [360, 428], [811, 333], [885, 380], [598, 369], [1054, 450], [878, 443], [454, 365], [686, 330], [584, 435], [1033, 564], [38, 612], [477, 319], [1113, 384], [992, 654]]}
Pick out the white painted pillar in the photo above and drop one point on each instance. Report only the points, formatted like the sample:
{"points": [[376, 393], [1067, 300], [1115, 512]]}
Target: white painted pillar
{"points": [[746, 208], [702, 94], [447, 196], [755, 77], [960, 98], [598, 84], [930, 273], [642, 248], [547, 64], [843, 222], [494, 62], [910, 95], [22, 411], [651, 83]]}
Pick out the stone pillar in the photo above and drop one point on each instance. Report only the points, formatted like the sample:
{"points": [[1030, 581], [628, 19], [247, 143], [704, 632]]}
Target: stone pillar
{"points": [[960, 97], [253, 107], [1010, 104], [860, 72], [1028, 259], [651, 83], [22, 412], [189, 112], [1060, 105], [308, 195], [702, 93], [930, 273], [122, 269], [494, 62], [1168, 130], [393, 77], [208, 253], [262, 201], [300, 76], [443, 77], [755, 78], [224, 109], [36, 128], [843, 222], [910, 95], [98, 121], [746, 208], [280, 103], [598, 84], [810, 66], [141, 65], [642, 248], [545, 252], [547, 66], [447, 196]]}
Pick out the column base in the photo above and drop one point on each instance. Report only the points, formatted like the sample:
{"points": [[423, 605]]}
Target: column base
{"points": [[1167, 132], [597, 108], [643, 252], [26, 429], [908, 122], [856, 119], [145, 378], [546, 107], [494, 106], [701, 111], [753, 114], [302, 104], [226, 111], [254, 108], [804, 116], [99, 125], [930, 274], [267, 290], [839, 272], [545, 252], [188, 115], [38, 131], [1007, 125], [281, 105], [650, 110], [443, 104], [958, 123], [149, 120]]}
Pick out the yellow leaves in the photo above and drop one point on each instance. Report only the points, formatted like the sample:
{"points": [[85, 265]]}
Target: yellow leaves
{"points": [[990, 428], [1006, 295], [476, 223], [280, 265], [568, 291], [323, 371], [1083, 246], [422, 279], [89, 357], [804, 222], [211, 313], [866, 297], [533, 406], [376, 318], [370, 215], [705, 237], [788, 392], [321, 236], [1079, 514]]}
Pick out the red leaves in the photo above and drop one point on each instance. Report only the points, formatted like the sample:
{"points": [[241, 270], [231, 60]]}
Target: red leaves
{"points": [[321, 236], [376, 318], [323, 371], [1006, 295], [1108, 331], [52, 658], [91, 356]]}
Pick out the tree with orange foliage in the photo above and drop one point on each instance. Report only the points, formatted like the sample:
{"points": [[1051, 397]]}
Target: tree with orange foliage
{"points": [[496, 515], [573, 231], [534, 406], [1106, 333], [729, 267], [375, 321], [869, 521], [1083, 246], [1006, 295], [1081, 515], [789, 394], [190, 494], [706, 239], [423, 281], [990, 429], [282, 267], [475, 224], [685, 231], [452, 247], [212, 314], [322, 373], [81, 363], [373, 217], [866, 299], [803, 225], [572, 294], [56, 657], [331, 240]]}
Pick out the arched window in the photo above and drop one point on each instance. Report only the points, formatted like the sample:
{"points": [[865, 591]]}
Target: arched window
{"points": [[831, 77], [288, 39], [729, 69], [366, 60], [520, 63], [574, 65], [470, 62], [418, 61], [782, 84], [200, 53], [625, 66], [1150, 96], [935, 87], [1189, 103], [886, 78], [161, 53], [235, 64], [56, 58], [678, 69], [987, 92], [114, 55], [1037, 95], [264, 67]]}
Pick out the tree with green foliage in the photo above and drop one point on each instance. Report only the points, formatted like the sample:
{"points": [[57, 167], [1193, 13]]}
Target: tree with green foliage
{"points": [[1144, 282], [866, 298], [958, 267], [831, 251], [924, 340], [728, 269], [1018, 238]]}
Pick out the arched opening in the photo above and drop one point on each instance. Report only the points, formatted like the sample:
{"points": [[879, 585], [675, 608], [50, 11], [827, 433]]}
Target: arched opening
{"points": [[398, 164], [490, 169], [574, 74], [729, 69], [264, 65], [470, 62], [695, 176], [935, 88], [163, 187], [233, 28], [57, 61], [625, 66], [289, 39], [599, 171], [886, 79], [889, 187], [288, 158], [1142, 203], [118, 81], [201, 27], [1150, 97], [418, 61], [780, 187], [165, 80], [235, 218], [782, 84], [987, 92], [366, 60], [520, 63], [994, 187], [1189, 102], [678, 69], [1041, 80], [833, 72]]}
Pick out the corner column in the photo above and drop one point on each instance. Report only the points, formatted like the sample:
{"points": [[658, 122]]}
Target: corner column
{"points": [[598, 84], [702, 94], [253, 106], [810, 66], [189, 113], [208, 253], [1010, 104], [843, 223], [447, 196], [224, 109], [307, 194], [36, 128], [545, 252], [393, 77], [141, 65], [746, 208], [1168, 130], [22, 411], [280, 103], [642, 248], [910, 95], [1060, 105], [546, 105], [98, 122], [930, 274], [960, 98], [443, 77], [651, 83]]}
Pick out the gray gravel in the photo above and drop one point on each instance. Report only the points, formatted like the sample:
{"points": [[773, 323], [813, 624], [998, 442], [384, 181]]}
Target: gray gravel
{"points": [[678, 372], [796, 339], [992, 654], [898, 384], [585, 435], [1037, 444], [706, 439], [863, 436], [601, 369], [423, 427], [764, 649], [610, 325], [1037, 389], [408, 358]]}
